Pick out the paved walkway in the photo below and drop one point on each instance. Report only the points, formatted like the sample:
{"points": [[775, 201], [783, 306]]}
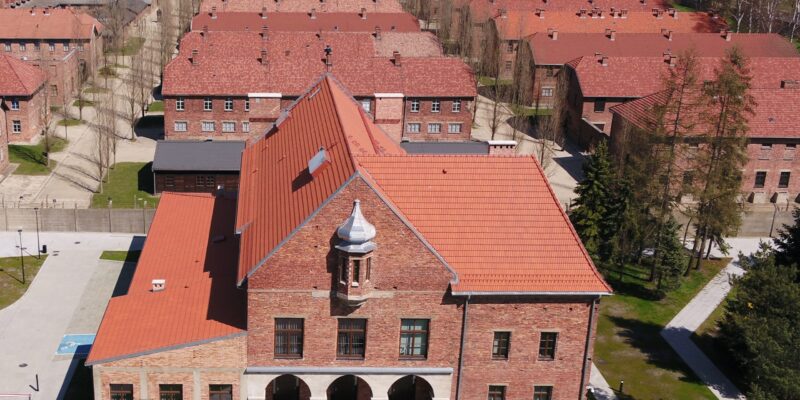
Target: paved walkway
{"points": [[57, 301], [599, 387], [678, 332]]}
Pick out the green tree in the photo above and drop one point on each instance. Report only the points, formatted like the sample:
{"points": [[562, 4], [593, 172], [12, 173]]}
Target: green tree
{"points": [[760, 328], [673, 257], [788, 242], [590, 210]]}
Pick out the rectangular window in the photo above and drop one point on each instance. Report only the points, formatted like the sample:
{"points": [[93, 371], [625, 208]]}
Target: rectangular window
{"points": [[783, 181], [456, 106], [22, 46], [688, 179], [547, 346], [414, 338], [453, 128], [170, 392], [220, 392], [547, 92], [121, 391], [510, 46], [436, 106], [36, 46], [356, 272], [80, 47], [369, 268], [788, 151], [181, 126], [343, 269], [169, 181], [352, 338], [599, 105], [366, 104], [180, 104], [413, 127], [207, 104], [247, 104], [434, 128], [766, 152], [549, 72], [288, 337], [228, 127], [52, 46], [66, 47], [15, 103], [497, 393], [245, 126], [500, 345], [8, 47], [761, 178], [508, 65], [542, 393], [228, 104], [16, 126], [414, 105], [208, 126]]}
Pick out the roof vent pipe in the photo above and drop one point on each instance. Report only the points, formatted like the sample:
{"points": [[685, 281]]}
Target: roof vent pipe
{"points": [[363, 13], [214, 12], [194, 56], [313, 13], [263, 12]]}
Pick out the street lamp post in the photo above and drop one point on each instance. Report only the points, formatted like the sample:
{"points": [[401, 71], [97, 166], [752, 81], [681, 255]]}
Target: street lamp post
{"points": [[38, 243], [21, 259]]}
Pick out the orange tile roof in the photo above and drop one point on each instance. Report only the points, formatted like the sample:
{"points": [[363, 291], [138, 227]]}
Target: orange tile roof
{"points": [[57, 23], [484, 9], [192, 246], [299, 22], [18, 78], [520, 24], [494, 220], [302, 5]]}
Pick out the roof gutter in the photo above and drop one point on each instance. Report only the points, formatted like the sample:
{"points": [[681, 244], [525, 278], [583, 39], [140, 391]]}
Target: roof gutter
{"points": [[461, 349], [586, 367], [534, 293]]}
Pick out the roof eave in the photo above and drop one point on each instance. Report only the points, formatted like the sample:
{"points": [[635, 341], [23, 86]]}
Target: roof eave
{"points": [[528, 293]]}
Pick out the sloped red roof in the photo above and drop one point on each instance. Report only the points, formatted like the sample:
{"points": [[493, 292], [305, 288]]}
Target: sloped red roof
{"points": [[302, 5], [634, 77], [56, 23], [18, 78], [569, 46], [494, 220], [775, 114], [485, 9], [520, 24], [191, 245], [228, 63], [302, 22]]}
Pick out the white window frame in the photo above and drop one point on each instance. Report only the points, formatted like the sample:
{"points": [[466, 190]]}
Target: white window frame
{"points": [[456, 106], [208, 104], [204, 124], [436, 106], [15, 104], [245, 126], [22, 46], [184, 124], [80, 47], [546, 90], [247, 104], [7, 47], [436, 131], [180, 104], [16, 126], [229, 104], [66, 47], [366, 104], [451, 125], [414, 105], [51, 46], [410, 124], [228, 124]]}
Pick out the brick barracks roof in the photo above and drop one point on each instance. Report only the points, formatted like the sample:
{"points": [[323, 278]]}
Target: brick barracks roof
{"points": [[493, 220], [192, 247], [484, 9], [229, 63], [569, 46], [633, 77], [320, 6], [520, 24], [51, 23], [775, 115], [18, 78], [303, 22]]}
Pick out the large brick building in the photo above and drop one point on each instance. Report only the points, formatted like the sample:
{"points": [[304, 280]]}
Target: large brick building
{"points": [[232, 85], [355, 282], [302, 6], [22, 100], [60, 41], [360, 21]]}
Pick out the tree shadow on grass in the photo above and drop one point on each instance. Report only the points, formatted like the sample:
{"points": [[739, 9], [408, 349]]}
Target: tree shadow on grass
{"points": [[646, 337], [27, 153]]}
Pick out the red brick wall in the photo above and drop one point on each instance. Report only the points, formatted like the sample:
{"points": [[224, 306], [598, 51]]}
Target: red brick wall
{"points": [[772, 161], [61, 67], [194, 115], [3, 142], [425, 116], [219, 362], [29, 115]]}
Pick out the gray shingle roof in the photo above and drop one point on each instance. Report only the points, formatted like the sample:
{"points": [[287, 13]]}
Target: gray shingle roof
{"points": [[446, 147], [198, 156]]}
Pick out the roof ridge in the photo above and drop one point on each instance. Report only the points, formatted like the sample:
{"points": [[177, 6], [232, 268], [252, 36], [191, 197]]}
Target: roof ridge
{"points": [[327, 79]]}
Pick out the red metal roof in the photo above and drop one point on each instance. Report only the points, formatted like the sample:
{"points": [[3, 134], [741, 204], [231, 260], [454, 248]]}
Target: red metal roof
{"points": [[229, 63], [18, 78], [494, 220], [299, 22], [55, 23], [321, 6], [192, 246], [569, 46]]}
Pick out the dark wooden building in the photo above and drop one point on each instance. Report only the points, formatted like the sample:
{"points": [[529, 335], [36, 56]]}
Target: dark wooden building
{"points": [[197, 166]]}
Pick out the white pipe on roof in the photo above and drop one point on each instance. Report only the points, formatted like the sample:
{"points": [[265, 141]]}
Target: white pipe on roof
{"points": [[390, 95], [265, 95]]}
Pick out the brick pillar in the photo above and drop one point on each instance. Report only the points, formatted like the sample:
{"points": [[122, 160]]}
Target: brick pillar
{"points": [[502, 147]]}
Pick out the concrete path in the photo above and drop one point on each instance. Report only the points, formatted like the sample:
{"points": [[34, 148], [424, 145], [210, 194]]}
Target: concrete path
{"points": [[599, 387], [59, 298], [678, 332]]}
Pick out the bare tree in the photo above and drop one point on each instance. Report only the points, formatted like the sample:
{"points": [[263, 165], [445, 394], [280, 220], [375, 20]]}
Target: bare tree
{"points": [[167, 35], [46, 118]]}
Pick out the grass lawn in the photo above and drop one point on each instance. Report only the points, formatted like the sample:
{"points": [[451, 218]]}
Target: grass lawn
{"points": [[84, 103], [11, 286], [487, 81], [706, 337], [683, 8], [125, 182], [797, 44], [629, 346], [70, 122], [117, 255], [55, 108], [31, 158], [95, 89], [529, 112], [156, 106], [132, 46], [108, 71]]}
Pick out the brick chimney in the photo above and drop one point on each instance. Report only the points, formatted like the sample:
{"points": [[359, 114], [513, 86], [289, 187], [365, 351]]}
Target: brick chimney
{"points": [[540, 12], [194, 59], [204, 33], [377, 33], [790, 84], [553, 33], [502, 147], [214, 12], [363, 13], [612, 35], [503, 13], [659, 13], [313, 13], [623, 13], [264, 32], [604, 60], [582, 13], [263, 12], [672, 13], [396, 58], [263, 58], [673, 61], [669, 35], [46, 11], [727, 35]]}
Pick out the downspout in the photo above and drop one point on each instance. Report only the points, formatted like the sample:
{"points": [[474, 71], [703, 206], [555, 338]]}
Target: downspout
{"points": [[582, 391], [461, 349]]}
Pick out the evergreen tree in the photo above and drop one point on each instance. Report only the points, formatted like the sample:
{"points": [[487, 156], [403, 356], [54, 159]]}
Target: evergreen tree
{"points": [[673, 257], [788, 242], [589, 211]]}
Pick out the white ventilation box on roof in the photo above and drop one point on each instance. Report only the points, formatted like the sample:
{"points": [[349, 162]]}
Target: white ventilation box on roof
{"points": [[318, 162], [159, 284]]}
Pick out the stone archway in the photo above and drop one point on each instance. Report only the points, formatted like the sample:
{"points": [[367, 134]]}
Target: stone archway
{"points": [[287, 387], [410, 387], [349, 387]]}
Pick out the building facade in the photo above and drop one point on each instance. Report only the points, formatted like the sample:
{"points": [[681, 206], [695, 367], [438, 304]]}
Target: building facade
{"points": [[22, 100], [352, 291], [186, 166]]}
